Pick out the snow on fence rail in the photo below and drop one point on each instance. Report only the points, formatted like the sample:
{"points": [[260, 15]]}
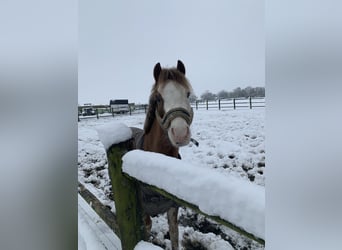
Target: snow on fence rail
{"points": [[232, 199], [235, 203]]}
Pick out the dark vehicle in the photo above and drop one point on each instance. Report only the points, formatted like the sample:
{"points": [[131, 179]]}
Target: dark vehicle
{"points": [[88, 111]]}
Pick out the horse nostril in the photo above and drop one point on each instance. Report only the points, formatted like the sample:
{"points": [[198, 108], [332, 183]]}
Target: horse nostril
{"points": [[180, 134]]}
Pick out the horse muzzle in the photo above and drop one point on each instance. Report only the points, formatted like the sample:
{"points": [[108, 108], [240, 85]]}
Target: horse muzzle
{"points": [[179, 132], [177, 122]]}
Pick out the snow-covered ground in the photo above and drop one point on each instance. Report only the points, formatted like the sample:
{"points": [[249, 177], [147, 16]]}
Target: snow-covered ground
{"points": [[231, 143]]}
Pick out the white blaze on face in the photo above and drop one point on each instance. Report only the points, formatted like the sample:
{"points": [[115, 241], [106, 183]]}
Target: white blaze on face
{"points": [[176, 96]]}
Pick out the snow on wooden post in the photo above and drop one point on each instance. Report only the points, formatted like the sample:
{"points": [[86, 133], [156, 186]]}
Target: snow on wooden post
{"points": [[235, 203], [117, 140]]}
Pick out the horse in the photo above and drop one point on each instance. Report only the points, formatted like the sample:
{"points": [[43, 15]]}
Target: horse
{"points": [[166, 128]]}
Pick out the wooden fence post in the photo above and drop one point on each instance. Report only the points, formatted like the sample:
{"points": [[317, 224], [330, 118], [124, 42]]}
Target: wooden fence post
{"points": [[97, 113], [234, 103], [250, 102], [219, 104], [206, 102], [126, 196], [196, 105]]}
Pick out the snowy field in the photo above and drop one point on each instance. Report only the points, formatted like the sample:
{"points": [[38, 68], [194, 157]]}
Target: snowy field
{"points": [[232, 143]]}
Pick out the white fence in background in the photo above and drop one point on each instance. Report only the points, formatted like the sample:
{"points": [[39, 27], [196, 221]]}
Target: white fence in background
{"points": [[232, 103], [220, 104]]}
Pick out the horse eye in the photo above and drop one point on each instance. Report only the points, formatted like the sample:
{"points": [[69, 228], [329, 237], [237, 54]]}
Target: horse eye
{"points": [[158, 98]]}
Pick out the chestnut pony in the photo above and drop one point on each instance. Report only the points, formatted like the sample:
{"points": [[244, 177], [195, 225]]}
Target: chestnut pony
{"points": [[166, 128]]}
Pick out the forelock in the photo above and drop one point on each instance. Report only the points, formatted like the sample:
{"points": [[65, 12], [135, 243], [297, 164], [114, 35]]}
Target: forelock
{"points": [[174, 75]]}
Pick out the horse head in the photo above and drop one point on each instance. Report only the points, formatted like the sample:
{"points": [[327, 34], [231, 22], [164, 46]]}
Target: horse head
{"points": [[170, 105]]}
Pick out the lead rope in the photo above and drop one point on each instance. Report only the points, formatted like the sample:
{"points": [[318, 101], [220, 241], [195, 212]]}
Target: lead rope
{"points": [[194, 142]]}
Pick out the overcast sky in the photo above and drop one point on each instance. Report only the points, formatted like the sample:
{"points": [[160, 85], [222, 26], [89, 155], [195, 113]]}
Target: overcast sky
{"points": [[220, 42]]}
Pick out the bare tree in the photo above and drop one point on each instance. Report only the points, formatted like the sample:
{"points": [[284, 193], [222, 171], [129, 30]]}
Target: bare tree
{"points": [[192, 98], [207, 95], [236, 93], [223, 94]]}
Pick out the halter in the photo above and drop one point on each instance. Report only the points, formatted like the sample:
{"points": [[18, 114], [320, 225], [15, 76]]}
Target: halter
{"points": [[174, 113]]}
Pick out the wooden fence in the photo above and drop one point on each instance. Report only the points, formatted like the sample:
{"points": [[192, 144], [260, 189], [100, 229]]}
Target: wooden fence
{"points": [[221, 104], [233, 103], [137, 109], [129, 225]]}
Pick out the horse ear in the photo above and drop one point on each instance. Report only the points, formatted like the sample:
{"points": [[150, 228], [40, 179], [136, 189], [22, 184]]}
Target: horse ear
{"points": [[156, 71], [180, 66]]}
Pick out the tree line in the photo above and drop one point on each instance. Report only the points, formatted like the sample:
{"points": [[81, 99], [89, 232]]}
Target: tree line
{"points": [[236, 93]]}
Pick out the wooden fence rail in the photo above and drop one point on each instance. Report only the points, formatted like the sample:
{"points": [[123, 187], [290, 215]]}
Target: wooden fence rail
{"points": [[103, 211], [128, 204]]}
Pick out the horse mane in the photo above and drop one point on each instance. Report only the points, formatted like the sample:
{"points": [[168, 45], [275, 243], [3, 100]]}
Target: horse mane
{"points": [[165, 75], [151, 115]]}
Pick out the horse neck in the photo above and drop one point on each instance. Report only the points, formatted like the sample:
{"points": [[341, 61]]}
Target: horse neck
{"points": [[156, 140]]}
